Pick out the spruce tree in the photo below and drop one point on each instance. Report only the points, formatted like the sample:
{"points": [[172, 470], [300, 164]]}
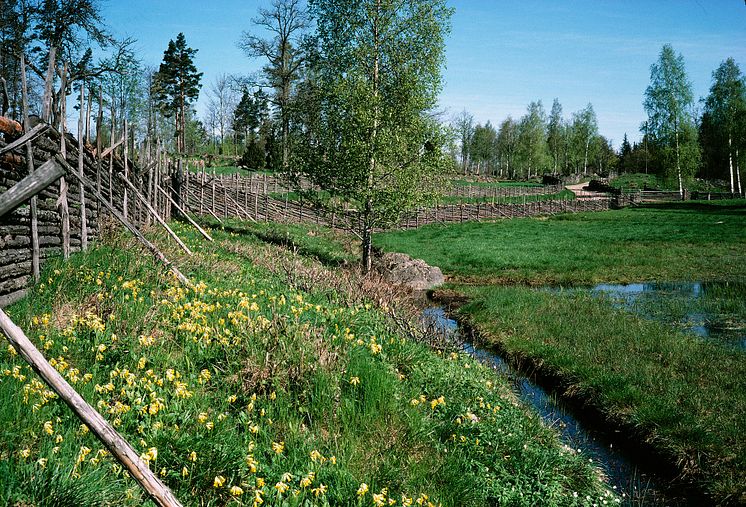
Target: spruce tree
{"points": [[177, 84]]}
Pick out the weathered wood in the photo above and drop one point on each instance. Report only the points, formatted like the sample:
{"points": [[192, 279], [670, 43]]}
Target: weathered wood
{"points": [[31, 185], [46, 112], [35, 255], [150, 246], [10, 127], [155, 214], [29, 136], [81, 197], [62, 201], [112, 440], [184, 213]]}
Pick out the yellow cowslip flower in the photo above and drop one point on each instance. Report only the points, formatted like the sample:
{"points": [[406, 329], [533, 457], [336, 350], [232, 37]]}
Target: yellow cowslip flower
{"points": [[184, 471], [354, 380], [260, 482], [202, 417], [362, 490], [236, 491], [254, 429], [25, 453], [258, 498], [209, 425], [153, 453], [141, 363], [406, 501], [48, 429], [273, 395], [193, 457], [58, 439], [316, 456], [218, 482], [286, 477], [251, 463], [204, 376], [281, 487], [379, 499], [278, 447], [307, 480], [333, 460], [321, 490], [42, 462], [232, 398], [163, 472]]}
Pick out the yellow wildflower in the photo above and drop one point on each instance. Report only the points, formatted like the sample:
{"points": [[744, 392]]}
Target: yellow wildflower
{"points": [[218, 482], [236, 491], [354, 380], [362, 490], [281, 487], [278, 447]]}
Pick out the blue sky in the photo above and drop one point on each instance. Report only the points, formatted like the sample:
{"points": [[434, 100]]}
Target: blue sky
{"points": [[501, 54]]}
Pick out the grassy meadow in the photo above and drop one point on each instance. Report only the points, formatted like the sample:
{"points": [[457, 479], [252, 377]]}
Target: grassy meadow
{"points": [[274, 380], [680, 393], [676, 241]]}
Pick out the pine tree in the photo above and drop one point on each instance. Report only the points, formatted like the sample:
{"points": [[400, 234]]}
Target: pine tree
{"points": [[177, 84]]}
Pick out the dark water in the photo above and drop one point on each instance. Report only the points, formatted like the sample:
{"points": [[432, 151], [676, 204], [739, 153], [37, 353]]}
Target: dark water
{"points": [[715, 311], [635, 484]]}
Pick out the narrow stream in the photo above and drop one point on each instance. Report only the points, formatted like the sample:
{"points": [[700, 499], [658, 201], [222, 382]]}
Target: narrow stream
{"points": [[633, 482]]}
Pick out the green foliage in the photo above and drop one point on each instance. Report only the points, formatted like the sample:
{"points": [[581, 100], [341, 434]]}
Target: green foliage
{"points": [[724, 121], [245, 378], [177, 84], [668, 104], [673, 389], [376, 147]]}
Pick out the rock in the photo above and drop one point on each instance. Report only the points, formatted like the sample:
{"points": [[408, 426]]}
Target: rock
{"points": [[401, 269]]}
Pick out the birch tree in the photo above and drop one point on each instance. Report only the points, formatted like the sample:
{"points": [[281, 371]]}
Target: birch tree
{"points": [[725, 105], [379, 75], [668, 104]]}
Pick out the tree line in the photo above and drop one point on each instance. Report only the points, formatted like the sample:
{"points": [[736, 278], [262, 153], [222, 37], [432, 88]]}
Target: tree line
{"points": [[680, 139]]}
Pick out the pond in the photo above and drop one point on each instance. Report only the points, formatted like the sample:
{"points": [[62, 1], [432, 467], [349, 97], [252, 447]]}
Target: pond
{"points": [[715, 311], [625, 468]]}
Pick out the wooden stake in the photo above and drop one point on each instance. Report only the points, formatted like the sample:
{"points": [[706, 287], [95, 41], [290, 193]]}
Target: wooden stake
{"points": [[195, 224], [112, 440], [62, 201], [83, 221], [155, 214], [35, 251], [156, 253]]}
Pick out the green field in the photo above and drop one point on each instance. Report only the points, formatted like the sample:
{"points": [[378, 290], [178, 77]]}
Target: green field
{"points": [[680, 393], [272, 378], [689, 241], [494, 184]]}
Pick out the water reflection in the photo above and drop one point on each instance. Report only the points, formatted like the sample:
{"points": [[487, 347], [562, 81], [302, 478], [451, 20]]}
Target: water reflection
{"points": [[712, 310]]}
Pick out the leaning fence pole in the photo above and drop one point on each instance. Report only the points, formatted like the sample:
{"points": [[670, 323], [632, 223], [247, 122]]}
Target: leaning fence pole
{"points": [[150, 246], [112, 440], [184, 213], [153, 212], [62, 203]]}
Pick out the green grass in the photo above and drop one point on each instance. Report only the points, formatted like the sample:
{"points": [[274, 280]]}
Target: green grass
{"points": [[684, 395], [681, 393], [271, 364], [676, 241]]}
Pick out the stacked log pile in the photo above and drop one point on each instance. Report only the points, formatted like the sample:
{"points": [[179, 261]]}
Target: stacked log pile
{"points": [[16, 252]]}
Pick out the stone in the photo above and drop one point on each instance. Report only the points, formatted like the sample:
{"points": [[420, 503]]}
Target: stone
{"points": [[401, 269]]}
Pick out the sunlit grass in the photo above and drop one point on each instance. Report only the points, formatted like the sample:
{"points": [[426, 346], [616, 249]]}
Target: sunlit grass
{"points": [[248, 389]]}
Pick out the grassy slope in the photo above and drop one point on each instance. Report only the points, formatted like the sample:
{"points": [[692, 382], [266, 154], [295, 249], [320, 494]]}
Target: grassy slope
{"points": [[683, 394], [246, 378], [676, 241]]}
